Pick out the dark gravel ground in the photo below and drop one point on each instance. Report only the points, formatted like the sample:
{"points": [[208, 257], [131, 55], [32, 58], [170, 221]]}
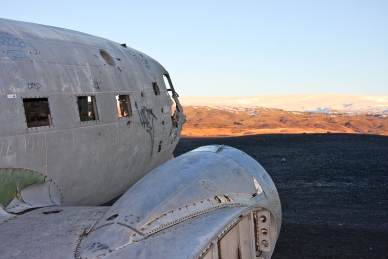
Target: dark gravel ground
{"points": [[344, 218]]}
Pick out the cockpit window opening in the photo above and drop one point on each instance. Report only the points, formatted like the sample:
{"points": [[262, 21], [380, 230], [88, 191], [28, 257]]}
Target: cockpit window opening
{"points": [[156, 88], [170, 88], [37, 112], [87, 108], [123, 106], [167, 83]]}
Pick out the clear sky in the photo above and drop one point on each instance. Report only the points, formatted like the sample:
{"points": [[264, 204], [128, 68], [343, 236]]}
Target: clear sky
{"points": [[239, 48]]}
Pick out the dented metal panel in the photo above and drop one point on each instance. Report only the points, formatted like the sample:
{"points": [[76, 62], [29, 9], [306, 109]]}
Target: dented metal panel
{"points": [[184, 208], [259, 174], [207, 203], [183, 189], [14, 180], [82, 156]]}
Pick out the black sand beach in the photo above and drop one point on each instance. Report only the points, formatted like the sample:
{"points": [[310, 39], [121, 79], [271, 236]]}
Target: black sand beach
{"points": [[347, 216]]}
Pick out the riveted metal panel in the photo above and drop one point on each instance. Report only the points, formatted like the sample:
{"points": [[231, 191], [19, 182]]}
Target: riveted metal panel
{"points": [[14, 180], [172, 186], [199, 231], [262, 176], [229, 244], [183, 189], [136, 226], [226, 178], [46, 62], [213, 253], [247, 237]]}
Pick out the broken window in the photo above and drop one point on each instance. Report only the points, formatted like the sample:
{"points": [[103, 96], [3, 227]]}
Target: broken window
{"points": [[87, 108], [156, 88], [167, 79], [37, 112], [167, 83], [123, 106]]}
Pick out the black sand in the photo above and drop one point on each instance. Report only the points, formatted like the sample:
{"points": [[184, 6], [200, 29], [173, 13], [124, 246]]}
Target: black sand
{"points": [[347, 217]]}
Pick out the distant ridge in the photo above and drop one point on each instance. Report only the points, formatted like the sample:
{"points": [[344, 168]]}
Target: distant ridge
{"points": [[203, 121], [285, 114], [318, 103]]}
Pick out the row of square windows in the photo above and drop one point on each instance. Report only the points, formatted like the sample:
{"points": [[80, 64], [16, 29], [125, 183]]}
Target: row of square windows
{"points": [[38, 114]]}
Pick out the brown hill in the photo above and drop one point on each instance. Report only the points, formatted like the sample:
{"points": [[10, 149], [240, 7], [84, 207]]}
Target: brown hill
{"points": [[213, 122]]}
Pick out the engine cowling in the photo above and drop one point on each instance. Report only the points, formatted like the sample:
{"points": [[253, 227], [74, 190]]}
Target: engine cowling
{"points": [[213, 202]]}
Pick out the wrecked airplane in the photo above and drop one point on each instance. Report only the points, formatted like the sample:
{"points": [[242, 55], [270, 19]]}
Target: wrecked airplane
{"points": [[85, 119]]}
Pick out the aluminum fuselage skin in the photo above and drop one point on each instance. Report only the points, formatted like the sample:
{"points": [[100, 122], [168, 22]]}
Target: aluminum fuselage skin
{"points": [[205, 204], [89, 161]]}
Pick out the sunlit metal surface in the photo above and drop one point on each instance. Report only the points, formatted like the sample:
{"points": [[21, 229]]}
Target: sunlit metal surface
{"points": [[60, 119], [84, 119], [213, 200]]}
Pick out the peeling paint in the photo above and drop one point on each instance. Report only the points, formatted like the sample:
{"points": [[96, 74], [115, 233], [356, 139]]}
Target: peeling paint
{"points": [[13, 180]]}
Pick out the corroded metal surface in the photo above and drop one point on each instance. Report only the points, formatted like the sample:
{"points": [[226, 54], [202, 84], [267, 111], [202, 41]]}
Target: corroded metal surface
{"points": [[44, 71], [66, 139], [46, 232], [189, 207], [13, 180], [202, 182]]}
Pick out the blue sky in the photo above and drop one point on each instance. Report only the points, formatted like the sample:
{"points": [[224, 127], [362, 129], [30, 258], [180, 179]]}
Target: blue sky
{"points": [[239, 48]]}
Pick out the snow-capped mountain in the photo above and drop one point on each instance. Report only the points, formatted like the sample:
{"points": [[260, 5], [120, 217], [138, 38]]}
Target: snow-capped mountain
{"points": [[317, 103]]}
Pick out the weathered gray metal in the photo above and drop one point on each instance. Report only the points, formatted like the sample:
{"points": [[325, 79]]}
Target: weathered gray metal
{"points": [[91, 161], [46, 232], [83, 119], [197, 205]]}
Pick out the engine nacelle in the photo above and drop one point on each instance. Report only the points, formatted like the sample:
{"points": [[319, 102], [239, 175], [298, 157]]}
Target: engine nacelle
{"points": [[213, 202]]}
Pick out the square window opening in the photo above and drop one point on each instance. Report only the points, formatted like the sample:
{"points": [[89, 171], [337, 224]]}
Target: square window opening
{"points": [[156, 88], [37, 112], [123, 106], [87, 108]]}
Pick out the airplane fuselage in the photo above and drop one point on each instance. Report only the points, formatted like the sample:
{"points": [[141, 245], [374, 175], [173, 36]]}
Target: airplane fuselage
{"points": [[87, 114]]}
